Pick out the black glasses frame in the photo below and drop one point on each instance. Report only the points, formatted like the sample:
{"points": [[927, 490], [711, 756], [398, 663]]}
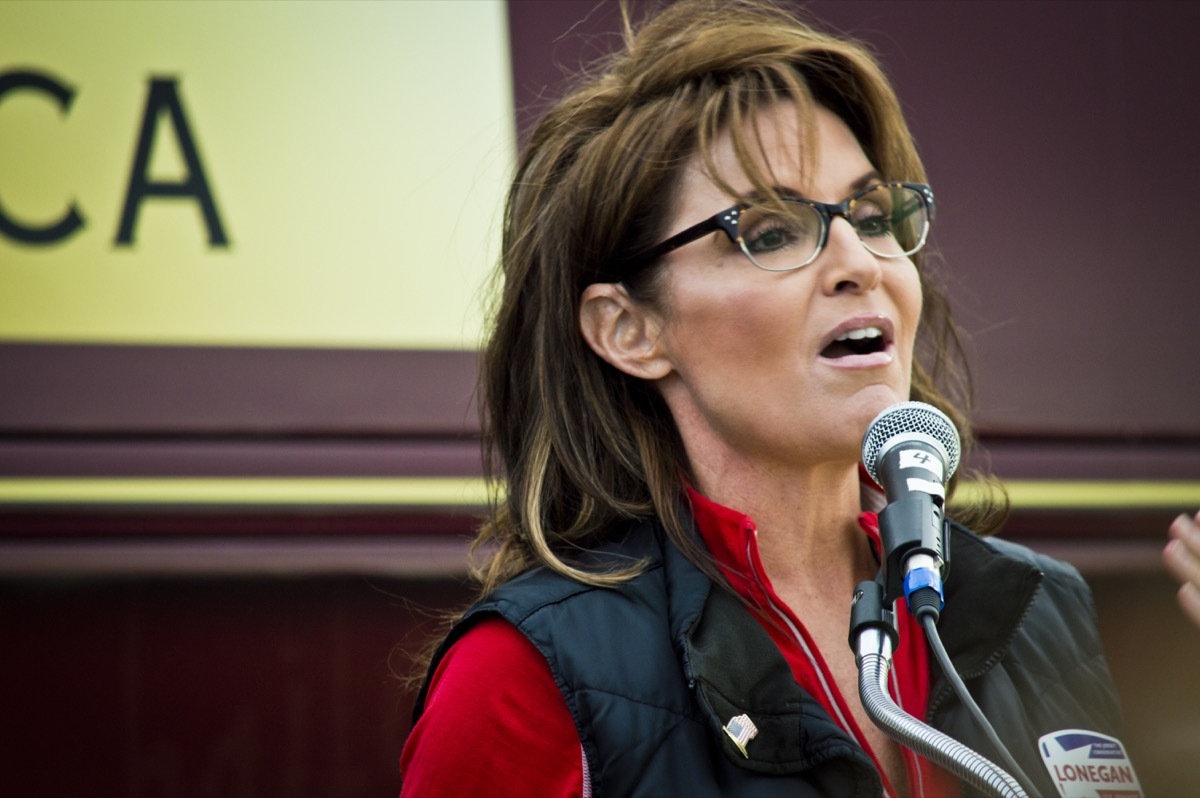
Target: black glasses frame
{"points": [[727, 222]]}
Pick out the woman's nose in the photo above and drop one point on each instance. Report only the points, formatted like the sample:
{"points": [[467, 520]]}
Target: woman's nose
{"points": [[846, 264]]}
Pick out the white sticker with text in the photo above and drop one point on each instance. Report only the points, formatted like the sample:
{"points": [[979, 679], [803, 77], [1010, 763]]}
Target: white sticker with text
{"points": [[1085, 764], [919, 458]]}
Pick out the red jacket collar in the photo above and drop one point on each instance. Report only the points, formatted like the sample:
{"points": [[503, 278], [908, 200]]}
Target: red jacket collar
{"points": [[732, 538]]}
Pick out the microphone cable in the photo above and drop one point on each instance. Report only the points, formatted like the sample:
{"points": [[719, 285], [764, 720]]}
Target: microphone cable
{"points": [[912, 450], [928, 620]]}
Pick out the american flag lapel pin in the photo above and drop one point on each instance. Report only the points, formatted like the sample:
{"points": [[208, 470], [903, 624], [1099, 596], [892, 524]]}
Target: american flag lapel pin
{"points": [[741, 730]]}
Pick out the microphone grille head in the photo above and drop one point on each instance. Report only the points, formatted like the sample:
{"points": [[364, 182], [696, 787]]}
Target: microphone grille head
{"points": [[908, 418]]}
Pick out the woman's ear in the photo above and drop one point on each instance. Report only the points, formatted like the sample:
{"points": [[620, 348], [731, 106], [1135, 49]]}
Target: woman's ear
{"points": [[624, 332]]}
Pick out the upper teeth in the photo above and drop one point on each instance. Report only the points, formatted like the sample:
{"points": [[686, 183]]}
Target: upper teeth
{"points": [[859, 334]]}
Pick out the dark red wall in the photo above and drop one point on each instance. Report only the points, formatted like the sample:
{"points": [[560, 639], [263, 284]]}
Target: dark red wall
{"points": [[216, 688], [1058, 137]]}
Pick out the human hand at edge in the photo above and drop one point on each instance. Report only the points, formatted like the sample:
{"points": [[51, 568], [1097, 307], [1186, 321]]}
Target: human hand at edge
{"points": [[1182, 558]]}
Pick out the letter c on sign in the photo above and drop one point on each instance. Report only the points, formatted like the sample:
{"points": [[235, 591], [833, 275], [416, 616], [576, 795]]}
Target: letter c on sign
{"points": [[70, 221]]}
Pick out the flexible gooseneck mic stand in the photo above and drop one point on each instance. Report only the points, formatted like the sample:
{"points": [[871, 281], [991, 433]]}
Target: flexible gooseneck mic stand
{"points": [[912, 449], [873, 637]]}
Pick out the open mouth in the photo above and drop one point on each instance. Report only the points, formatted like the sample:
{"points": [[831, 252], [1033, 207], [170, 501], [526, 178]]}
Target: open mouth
{"points": [[862, 341]]}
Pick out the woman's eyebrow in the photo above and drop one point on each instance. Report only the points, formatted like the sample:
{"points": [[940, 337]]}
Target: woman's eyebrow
{"points": [[870, 177], [786, 191]]}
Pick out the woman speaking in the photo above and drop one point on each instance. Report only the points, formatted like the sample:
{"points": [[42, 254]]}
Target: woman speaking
{"points": [[711, 283]]}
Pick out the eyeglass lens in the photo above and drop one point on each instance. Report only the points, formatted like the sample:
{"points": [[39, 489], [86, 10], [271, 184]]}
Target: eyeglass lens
{"points": [[891, 221]]}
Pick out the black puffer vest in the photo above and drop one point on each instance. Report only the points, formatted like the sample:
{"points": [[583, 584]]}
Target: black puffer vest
{"points": [[653, 670]]}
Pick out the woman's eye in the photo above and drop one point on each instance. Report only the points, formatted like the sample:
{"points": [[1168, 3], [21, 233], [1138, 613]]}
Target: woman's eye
{"points": [[773, 232], [768, 239], [871, 220]]}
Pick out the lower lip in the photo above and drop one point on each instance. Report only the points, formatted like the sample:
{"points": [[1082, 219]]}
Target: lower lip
{"points": [[873, 360]]}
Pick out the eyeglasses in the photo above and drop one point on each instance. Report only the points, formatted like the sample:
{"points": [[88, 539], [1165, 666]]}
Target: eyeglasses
{"points": [[891, 219]]}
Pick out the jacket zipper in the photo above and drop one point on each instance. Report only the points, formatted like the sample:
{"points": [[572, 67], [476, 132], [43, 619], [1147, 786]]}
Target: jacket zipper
{"points": [[799, 638], [783, 616]]}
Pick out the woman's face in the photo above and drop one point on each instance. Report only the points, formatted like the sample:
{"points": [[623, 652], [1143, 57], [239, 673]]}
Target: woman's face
{"points": [[756, 368]]}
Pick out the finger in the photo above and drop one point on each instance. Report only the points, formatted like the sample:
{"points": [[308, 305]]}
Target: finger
{"points": [[1182, 564], [1189, 600], [1187, 531]]}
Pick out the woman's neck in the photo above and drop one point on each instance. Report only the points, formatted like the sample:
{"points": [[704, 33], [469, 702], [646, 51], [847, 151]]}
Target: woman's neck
{"points": [[807, 521]]}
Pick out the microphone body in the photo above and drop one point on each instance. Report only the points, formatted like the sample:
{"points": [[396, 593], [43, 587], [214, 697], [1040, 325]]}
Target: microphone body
{"points": [[912, 449]]}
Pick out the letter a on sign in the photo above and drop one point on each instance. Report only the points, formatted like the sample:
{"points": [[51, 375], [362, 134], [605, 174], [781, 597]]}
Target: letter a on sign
{"points": [[164, 97]]}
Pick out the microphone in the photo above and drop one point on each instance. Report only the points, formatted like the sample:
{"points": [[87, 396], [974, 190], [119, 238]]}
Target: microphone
{"points": [[912, 449]]}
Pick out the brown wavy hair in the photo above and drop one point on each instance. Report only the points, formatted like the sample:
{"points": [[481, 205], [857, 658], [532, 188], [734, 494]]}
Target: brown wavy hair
{"points": [[578, 445]]}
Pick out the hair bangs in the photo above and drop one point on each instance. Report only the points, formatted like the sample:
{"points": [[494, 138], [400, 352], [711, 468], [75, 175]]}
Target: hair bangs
{"points": [[735, 111]]}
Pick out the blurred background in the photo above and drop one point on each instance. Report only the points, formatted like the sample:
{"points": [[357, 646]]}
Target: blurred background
{"points": [[243, 249]]}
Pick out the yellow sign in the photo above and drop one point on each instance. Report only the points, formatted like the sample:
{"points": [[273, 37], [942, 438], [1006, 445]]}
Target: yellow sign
{"points": [[251, 173]]}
